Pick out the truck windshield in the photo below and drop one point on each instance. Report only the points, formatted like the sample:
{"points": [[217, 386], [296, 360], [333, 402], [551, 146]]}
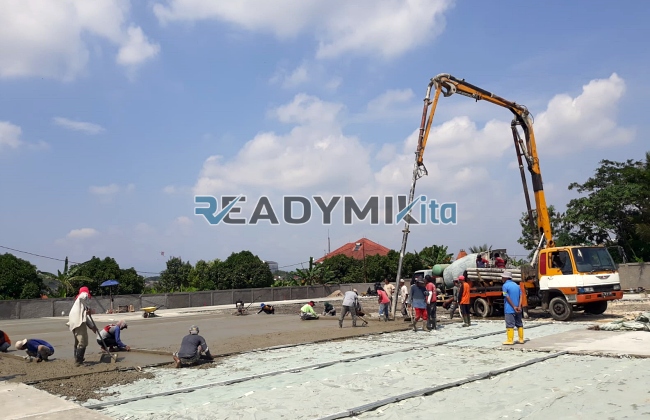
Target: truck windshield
{"points": [[589, 260]]}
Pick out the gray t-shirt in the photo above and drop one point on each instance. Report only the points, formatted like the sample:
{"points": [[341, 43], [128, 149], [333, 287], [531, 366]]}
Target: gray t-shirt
{"points": [[190, 344], [349, 298]]}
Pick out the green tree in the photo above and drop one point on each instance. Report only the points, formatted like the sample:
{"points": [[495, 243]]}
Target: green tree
{"points": [[244, 270], [18, 278], [205, 275], [561, 228], [475, 249], [435, 254], [95, 271], [344, 268], [314, 274], [63, 281], [176, 276], [615, 209]]}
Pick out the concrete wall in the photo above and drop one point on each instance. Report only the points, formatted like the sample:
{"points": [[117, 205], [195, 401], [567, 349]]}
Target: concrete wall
{"points": [[634, 275], [39, 308]]}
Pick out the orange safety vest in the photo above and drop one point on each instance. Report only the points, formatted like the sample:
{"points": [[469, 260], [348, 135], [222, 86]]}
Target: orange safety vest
{"points": [[464, 298]]}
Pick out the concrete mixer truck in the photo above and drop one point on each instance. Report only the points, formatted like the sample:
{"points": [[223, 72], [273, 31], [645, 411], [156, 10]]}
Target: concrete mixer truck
{"points": [[564, 279]]}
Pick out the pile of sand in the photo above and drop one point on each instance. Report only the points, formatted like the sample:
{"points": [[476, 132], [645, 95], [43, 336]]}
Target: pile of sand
{"points": [[338, 293]]}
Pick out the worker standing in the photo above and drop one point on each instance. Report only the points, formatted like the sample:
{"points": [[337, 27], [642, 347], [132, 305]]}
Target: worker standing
{"points": [[512, 309], [498, 261], [418, 298], [390, 291], [404, 295], [384, 303], [463, 297], [350, 301], [432, 301], [78, 322]]}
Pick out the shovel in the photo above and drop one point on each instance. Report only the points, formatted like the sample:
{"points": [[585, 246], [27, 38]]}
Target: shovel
{"points": [[112, 356]]}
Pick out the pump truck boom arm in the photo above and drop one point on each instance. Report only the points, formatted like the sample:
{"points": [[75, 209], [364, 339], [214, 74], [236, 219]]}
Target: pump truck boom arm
{"points": [[449, 85]]}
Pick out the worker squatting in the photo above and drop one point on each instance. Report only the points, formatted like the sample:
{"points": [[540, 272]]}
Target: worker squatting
{"points": [[418, 303]]}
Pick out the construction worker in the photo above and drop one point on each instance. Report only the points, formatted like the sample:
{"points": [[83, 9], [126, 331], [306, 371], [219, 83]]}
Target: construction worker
{"points": [[34, 347], [79, 322], [463, 298], [418, 297], [329, 309], [5, 342], [350, 301], [390, 291], [481, 262], [384, 304], [432, 301], [267, 309], [110, 335], [192, 347], [498, 261], [404, 295], [307, 311], [512, 309], [455, 299]]}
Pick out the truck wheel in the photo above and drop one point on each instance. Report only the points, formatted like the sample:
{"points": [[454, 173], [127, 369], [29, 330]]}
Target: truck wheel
{"points": [[560, 309], [482, 308], [596, 308]]}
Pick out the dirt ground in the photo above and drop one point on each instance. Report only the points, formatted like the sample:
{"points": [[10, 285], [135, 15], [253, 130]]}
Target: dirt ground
{"points": [[226, 335]]}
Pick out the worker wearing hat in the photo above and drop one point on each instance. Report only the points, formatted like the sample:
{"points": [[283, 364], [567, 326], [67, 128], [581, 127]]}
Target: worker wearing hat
{"points": [[192, 347], [34, 347], [512, 300], [307, 311], [79, 322], [267, 309]]}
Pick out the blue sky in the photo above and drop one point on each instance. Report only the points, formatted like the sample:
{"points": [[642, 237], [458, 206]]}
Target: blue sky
{"points": [[110, 112]]}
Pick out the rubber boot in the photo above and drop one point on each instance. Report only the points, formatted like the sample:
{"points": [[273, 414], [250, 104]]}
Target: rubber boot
{"points": [[469, 320], [510, 334], [520, 332], [465, 320], [425, 325], [415, 325], [80, 357]]}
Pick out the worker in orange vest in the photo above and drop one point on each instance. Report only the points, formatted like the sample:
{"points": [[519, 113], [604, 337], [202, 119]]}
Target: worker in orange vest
{"points": [[463, 297]]}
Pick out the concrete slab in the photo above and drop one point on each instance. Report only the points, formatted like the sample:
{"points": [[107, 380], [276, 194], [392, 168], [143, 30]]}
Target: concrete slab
{"points": [[19, 401], [632, 343]]}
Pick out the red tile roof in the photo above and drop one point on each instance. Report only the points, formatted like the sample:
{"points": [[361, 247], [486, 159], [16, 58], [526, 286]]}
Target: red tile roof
{"points": [[461, 254], [351, 249]]}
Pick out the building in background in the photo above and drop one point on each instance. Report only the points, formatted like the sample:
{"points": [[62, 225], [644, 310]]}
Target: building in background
{"points": [[273, 266], [359, 250]]}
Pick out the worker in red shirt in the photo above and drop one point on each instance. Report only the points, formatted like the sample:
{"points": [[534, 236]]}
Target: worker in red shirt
{"points": [[384, 303], [498, 261], [463, 297], [432, 299]]}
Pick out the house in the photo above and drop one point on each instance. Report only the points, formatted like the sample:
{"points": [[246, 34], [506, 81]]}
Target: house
{"points": [[358, 249]]}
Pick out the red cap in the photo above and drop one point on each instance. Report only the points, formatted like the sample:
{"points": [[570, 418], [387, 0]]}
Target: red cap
{"points": [[84, 289], [461, 278]]}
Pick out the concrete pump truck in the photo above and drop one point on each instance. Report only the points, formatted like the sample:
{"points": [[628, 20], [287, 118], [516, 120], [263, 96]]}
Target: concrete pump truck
{"points": [[565, 278]]}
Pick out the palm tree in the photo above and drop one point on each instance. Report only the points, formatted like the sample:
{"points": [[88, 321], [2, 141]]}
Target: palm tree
{"points": [[64, 279], [479, 249]]}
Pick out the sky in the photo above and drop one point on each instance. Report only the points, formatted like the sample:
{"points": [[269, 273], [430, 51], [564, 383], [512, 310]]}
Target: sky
{"points": [[114, 114]]}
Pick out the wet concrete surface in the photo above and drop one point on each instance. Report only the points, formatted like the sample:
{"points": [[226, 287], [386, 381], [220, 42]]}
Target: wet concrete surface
{"points": [[630, 343]]}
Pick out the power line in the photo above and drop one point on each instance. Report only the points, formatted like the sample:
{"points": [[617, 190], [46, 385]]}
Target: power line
{"points": [[137, 271]]}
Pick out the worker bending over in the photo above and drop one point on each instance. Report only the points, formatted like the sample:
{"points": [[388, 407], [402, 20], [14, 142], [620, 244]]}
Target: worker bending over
{"points": [[5, 342], [350, 303], [307, 311], [40, 349], [111, 336], [192, 347], [267, 309]]}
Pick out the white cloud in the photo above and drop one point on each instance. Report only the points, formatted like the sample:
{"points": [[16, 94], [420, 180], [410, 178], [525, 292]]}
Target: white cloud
{"points": [[588, 120], [314, 154], [10, 135], [42, 38], [83, 233], [10, 138], [86, 127], [387, 99], [390, 105], [107, 192], [136, 49], [388, 28], [294, 78]]}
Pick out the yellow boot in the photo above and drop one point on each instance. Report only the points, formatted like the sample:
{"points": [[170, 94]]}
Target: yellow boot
{"points": [[520, 332], [510, 333]]}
